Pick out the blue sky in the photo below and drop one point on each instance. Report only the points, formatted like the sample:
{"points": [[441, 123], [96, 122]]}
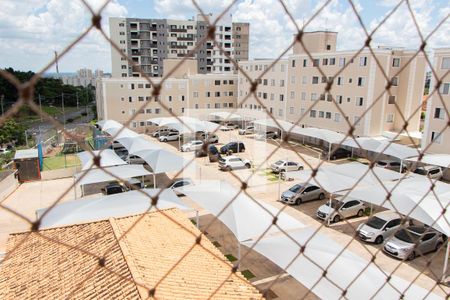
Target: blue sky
{"points": [[31, 30]]}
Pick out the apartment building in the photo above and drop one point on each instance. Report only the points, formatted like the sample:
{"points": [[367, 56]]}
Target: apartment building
{"points": [[123, 98], [149, 41], [436, 134], [292, 85]]}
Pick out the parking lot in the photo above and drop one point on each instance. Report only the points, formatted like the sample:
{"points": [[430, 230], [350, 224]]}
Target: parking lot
{"points": [[265, 186]]}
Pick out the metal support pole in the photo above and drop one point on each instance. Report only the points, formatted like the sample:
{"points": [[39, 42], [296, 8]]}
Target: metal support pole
{"points": [[197, 219], [444, 271], [401, 166], [154, 181], [329, 151], [75, 188]]}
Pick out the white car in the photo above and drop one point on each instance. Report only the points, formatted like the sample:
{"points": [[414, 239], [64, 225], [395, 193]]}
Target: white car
{"points": [[180, 183], [285, 166], [432, 172], [163, 131], [379, 227], [171, 136], [192, 146], [232, 162], [266, 135], [340, 208], [229, 126], [212, 138], [247, 130]]}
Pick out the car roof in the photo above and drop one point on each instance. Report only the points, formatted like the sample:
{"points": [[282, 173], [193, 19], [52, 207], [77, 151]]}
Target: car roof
{"points": [[346, 199], [387, 215]]}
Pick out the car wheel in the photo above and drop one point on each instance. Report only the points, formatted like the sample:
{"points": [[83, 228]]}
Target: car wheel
{"points": [[336, 218], [298, 201], [321, 196], [333, 157], [188, 149], [247, 166], [300, 168], [379, 240], [411, 256], [228, 168], [360, 213]]}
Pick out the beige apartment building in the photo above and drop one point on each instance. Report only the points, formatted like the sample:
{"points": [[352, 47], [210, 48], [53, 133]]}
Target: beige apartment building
{"points": [[290, 87], [185, 92], [148, 42], [436, 134]]}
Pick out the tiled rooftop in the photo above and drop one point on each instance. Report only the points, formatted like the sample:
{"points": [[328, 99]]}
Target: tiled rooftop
{"points": [[159, 253]]}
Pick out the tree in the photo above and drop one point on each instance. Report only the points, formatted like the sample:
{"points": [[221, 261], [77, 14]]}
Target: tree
{"points": [[11, 132]]}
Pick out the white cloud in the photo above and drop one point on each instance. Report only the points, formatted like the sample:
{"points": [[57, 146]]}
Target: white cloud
{"points": [[31, 30]]}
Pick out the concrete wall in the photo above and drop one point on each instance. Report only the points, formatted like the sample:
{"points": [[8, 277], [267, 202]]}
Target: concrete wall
{"points": [[59, 173], [8, 185]]}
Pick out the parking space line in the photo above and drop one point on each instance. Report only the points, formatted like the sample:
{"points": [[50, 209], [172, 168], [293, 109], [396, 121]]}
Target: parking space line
{"points": [[269, 279]]}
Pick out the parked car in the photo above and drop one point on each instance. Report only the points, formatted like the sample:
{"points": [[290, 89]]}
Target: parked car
{"points": [[233, 162], [301, 193], [134, 184], [163, 131], [266, 135], [285, 166], [229, 126], [116, 145], [247, 130], [180, 183], [212, 138], [341, 208], [113, 188], [232, 147], [432, 172], [122, 153], [339, 153], [413, 241], [135, 160], [393, 165], [171, 136], [192, 146], [379, 227], [212, 153]]}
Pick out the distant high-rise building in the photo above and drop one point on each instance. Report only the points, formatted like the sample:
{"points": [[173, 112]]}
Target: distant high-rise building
{"points": [[147, 42], [84, 77]]}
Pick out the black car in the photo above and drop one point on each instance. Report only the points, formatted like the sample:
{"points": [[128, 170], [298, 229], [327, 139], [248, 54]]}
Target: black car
{"points": [[113, 188], [233, 147], [212, 153], [336, 154]]}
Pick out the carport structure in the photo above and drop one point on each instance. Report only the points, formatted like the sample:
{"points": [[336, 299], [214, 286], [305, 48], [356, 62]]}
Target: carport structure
{"points": [[412, 195], [301, 251]]}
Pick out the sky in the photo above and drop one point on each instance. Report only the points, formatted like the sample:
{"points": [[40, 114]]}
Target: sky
{"points": [[31, 30]]}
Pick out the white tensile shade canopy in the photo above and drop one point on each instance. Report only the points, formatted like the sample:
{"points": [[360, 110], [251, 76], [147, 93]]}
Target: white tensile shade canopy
{"points": [[123, 172], [282, 125], [385, 147], [162, 161], [164, 121], [108, 124], [108, 158], [344, 270], [441, 160], [245, 218], [105, 207], [135, 144], [117, 133], [412, 197], [335, 178], [186, 124], [224, 115]]}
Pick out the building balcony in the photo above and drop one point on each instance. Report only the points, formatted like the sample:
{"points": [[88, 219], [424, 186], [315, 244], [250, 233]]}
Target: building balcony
{"points": [[185, 38], [177, 30], [178, 47]]}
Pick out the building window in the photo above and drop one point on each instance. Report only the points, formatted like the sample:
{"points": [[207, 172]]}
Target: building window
{"points": [[195, 94], [282, 68], [390, 118], [312, 113], [217, 82], [303, 96], [157, 111], [339, 99], [361, 81], [391, 99], [148, 111], [305, 62], [313, 96], [292, 79], [325, 61], [140, 98], [280, 112], [396, 62], [281, 97], [272, 82], [341, 61], [356, 120], [292, 95], [394, 81], [363, 61], [281, 83], [291, 110], [436, 137], [315, 80], [340, 80], [445, 63], [359, 101], [272, 97], [124, 67], [337, 117], [321, 114], [438, 113], [208, 94], [216, 105], [316, 62], [304, 80], [265, 82], [445, 88], [332, 61], [327, 115], [293, 63]]}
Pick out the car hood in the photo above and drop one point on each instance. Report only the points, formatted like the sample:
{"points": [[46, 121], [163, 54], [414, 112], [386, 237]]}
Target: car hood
{"points": [[398, 244], [326, 209], [367, 229], [274, 166], [288, 194]]}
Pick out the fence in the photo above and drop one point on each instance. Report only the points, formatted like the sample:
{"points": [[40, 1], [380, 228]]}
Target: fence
{"points": [[26, 91]]}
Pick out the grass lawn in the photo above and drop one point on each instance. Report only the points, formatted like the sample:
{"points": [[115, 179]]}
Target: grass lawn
{"points": [[269, 175], [59, 162]]}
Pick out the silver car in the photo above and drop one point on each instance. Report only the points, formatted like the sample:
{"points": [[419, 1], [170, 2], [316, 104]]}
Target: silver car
{"points": [[379, 227], [285, 166], [302, 192], [413, 241], [341, 208]]}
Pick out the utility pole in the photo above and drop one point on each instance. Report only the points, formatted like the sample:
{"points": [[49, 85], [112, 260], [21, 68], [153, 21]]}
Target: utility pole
{"points": [[62, 104], [40, 105], [2, 98]]}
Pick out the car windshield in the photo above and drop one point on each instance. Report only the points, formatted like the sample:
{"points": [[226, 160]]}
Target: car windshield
{"points": [[407, 236], [421, 171], [376, 222], [279, 162], [296, 188], [381, 163], [334, 203]]}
